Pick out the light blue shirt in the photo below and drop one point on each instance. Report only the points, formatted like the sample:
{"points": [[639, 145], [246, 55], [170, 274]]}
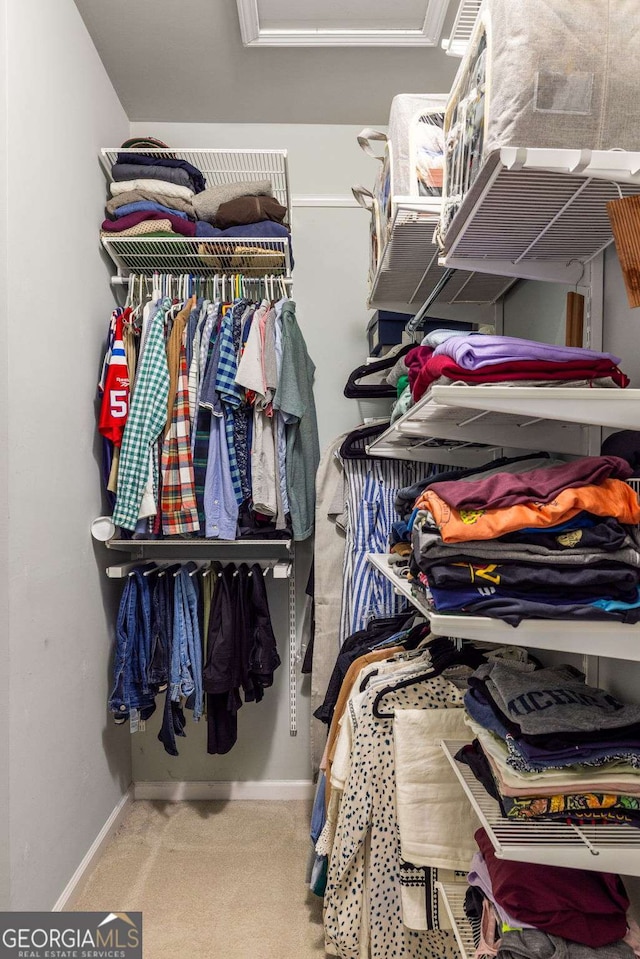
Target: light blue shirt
{"points": [[220, 504]]}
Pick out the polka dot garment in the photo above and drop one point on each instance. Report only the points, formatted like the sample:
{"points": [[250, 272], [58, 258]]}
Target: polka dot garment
{"points": [[363, 911]]}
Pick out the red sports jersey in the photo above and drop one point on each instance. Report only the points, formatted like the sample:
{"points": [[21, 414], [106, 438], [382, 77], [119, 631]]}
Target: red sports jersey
{"points": [[115, 399]]}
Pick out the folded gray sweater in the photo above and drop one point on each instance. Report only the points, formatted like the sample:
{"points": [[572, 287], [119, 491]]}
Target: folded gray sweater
{"points": [[554, 701], [206, 203]]}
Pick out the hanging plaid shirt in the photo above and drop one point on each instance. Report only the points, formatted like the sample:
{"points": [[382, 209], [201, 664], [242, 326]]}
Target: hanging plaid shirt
{"points": [[231, 396], [178, 498], [147, 416]]}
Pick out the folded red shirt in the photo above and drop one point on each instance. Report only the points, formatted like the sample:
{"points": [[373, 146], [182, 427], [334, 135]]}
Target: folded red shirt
{"points": [[416, 361], [583, 906], [434, 367], [186, 227]]}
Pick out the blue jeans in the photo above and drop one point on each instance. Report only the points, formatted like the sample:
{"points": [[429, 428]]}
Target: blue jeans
{"points": [[186, 653], [133, 649]]}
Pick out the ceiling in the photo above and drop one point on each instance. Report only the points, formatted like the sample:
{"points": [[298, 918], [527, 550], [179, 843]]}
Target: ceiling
{"points": [[184, 62]]}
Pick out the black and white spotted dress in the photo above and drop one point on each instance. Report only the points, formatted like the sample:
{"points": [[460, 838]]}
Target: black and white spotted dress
{"points": [[363, 912]]}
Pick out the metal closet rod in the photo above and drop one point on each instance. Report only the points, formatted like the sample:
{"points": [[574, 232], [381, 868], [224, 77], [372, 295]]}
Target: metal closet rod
{"points": [[416, 322], [281, 569], [124, 280]]}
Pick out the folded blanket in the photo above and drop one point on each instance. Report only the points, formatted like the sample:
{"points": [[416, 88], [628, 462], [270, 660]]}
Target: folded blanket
{"points": [[151, 186], [249, 209], [133, 171], [541, 485], [149, 228], [474, 352], [207, 203], [150, 196], [184, 227], [140, 159], [146, 206]]}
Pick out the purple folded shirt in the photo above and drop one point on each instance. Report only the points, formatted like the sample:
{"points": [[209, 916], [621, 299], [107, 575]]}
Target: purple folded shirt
{"points": [[538, 486], [185, 227], [472, 352]]}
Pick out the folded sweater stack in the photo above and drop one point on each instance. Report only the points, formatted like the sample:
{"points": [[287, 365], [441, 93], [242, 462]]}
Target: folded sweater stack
{"points": [[551, 543], [161, 196], [476, 359], [550, 747]]}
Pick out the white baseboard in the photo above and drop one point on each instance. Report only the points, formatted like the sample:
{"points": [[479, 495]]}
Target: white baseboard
{"points": [[75, 885], [179, 791]]}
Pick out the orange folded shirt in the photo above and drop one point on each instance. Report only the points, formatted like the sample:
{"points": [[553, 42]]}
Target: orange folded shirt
{"points": [[610, 498]]}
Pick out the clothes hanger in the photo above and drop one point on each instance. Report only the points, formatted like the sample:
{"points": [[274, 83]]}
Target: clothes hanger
{"points": [[354, 390], [353, 446], [443, 654]]}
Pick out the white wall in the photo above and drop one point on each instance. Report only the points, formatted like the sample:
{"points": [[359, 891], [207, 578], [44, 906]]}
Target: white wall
{"points": [[536, 310], [4, 490], [68, 766], [330, 245]]}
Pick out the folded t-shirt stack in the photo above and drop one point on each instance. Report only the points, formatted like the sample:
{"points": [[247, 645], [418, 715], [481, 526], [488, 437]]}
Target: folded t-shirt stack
{"points": [[530, 911], [550, 747], [557, 542], [447, 357], [162, 196]]}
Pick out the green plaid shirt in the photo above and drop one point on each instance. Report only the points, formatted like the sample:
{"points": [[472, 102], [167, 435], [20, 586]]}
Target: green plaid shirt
{"points": [[147, 416]]}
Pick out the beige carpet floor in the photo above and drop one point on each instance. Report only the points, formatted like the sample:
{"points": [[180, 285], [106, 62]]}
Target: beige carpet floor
{"points": [[214, 880]]}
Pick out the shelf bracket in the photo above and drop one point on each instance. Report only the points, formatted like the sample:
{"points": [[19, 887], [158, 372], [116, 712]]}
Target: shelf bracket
{"points": [[293, 653]]}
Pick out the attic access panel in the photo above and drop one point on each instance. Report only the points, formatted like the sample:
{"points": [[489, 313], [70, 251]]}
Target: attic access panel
{"points": [[331, 23]]}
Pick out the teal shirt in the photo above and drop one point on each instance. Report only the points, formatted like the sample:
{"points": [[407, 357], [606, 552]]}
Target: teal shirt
{"points": [[294, 397]]}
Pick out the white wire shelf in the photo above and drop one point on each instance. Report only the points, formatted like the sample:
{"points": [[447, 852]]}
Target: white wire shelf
{"points": [[594, 407], [463, 26], [451, 413], [452, 895], [223, 166], [393, 444], [401, 586], [611, 847], [202, 548], [204, 256], [587, 638], [538, 213], [408, 269]]}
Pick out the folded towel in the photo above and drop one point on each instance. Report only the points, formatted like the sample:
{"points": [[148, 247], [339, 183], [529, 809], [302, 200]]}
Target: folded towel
{"points": [[141, 159], [133, 171], [249, 209], [144, 228], [207, 203], [151, 186], [185, 227], [145, 206], [435, 819], [139, 196]]}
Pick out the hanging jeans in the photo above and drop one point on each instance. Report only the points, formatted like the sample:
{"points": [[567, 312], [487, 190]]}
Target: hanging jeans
{"points": [[186, 653], [131, 690], [173, 721]]}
